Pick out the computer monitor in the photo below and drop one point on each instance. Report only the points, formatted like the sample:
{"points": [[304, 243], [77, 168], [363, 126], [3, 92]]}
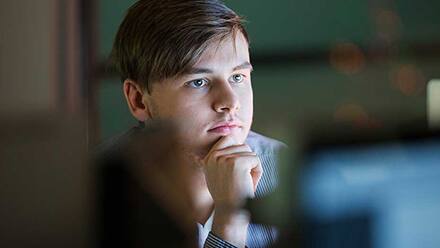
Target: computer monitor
{"points": [[376, 192]]}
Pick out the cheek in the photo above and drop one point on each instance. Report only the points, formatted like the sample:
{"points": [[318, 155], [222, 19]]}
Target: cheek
{"points": [[190, 109], [190, 117], [247, 105], [174, 106]]}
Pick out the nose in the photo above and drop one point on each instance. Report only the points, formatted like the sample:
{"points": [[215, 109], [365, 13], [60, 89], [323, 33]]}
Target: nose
{"points": [[226, 100]]}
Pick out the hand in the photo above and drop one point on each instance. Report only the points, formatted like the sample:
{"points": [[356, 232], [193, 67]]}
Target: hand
{"points": [[232, 173]]}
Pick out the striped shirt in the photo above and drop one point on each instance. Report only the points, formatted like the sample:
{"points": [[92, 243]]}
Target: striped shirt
{"points": [[258, 235]]}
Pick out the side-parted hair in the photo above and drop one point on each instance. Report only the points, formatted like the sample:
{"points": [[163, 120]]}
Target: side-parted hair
{"points": [[160, 39]]}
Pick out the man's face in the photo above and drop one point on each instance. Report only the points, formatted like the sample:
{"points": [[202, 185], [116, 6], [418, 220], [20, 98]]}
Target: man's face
{"points": [[213, 100]]}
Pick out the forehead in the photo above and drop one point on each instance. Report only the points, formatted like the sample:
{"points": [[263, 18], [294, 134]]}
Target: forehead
{"points": [[229, 52]]}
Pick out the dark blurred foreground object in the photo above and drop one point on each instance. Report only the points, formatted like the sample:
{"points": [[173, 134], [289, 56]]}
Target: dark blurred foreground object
{"points": [[367, 189], [45, 185], [144, 190]]}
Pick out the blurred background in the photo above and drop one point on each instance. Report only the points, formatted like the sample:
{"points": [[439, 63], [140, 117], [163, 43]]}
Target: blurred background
{"points": [[359, 65]]}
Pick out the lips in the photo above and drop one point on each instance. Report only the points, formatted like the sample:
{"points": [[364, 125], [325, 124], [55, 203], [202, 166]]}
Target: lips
{"points": [[224, 127]]}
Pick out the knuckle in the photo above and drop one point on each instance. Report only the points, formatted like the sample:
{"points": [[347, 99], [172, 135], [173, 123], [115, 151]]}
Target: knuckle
{"points": [[246, 148], [215, 154]]}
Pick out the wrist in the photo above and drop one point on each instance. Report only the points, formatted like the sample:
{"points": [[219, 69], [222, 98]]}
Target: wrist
{"points": [[231, 226]]}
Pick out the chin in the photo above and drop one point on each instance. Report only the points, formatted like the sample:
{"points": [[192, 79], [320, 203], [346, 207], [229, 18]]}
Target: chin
{"points": [[202, 148]]}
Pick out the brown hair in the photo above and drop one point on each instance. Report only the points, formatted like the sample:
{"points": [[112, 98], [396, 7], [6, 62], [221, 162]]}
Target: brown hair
{"points": [[159, 39]]}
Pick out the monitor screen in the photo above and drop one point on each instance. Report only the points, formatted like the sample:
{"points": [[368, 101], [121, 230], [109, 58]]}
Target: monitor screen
{"points": [[384, 194]]}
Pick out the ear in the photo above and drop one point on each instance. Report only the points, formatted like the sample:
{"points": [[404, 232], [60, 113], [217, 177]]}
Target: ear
{"points": [[135, 100]]}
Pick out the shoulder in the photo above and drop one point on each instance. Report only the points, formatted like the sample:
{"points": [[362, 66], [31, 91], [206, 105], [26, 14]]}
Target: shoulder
{"points": [[114, 146], [263, 145]]}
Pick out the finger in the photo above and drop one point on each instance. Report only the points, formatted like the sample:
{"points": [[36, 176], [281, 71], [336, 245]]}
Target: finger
{"points": [[258, 168], [250, 162], [244, 160], [257, 174], [242, 147], [230, 150], [223, 142], [237, 155]]}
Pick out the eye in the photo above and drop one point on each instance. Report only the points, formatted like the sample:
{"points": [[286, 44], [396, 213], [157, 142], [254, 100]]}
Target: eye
{"points": [[237, 78], [198, 83]]}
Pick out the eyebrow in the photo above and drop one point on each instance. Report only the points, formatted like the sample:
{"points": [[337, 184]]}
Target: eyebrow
{"points": [[245, 65]]}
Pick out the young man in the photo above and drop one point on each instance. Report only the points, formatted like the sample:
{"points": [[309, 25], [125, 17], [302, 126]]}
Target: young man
{"points": [[188, 61]]}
